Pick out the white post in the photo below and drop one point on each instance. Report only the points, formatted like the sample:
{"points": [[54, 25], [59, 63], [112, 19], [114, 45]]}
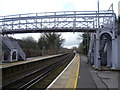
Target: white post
{"points": [[94, 54], [109, 47], [97, 57], [16, 55], [114, 53], [10, 55], [90, 49], [119, 52], [97, 62], [3, 52]]}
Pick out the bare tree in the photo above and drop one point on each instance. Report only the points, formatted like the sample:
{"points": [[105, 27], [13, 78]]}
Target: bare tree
{"points": [[51, 41]]}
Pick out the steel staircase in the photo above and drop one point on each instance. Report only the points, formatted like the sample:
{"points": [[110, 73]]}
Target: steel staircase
{"points": [[7, 42], [12, 44], [20, 51]]}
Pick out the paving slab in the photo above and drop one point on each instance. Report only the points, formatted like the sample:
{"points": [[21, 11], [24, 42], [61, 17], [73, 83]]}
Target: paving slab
{"points": [[85, 78], [107, 80], [110, 78]]}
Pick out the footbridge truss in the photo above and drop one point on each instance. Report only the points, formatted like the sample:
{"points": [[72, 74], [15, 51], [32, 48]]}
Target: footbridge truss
{"points": [[66, 21]]}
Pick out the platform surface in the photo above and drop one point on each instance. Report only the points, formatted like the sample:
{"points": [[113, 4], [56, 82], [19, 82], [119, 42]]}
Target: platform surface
{"points": [[68, 77], [85, 79], [80, 75], [26, 61], [91, 78]]}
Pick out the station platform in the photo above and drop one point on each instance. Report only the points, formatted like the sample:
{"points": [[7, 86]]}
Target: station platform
{"points": [[79, 75], [69, 76], [27, 61]]}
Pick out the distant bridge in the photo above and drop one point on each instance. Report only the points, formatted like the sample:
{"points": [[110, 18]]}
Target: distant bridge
{"points": [[66, 21]]}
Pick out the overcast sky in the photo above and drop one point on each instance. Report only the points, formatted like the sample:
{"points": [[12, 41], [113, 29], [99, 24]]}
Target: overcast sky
{"points": [[9, 7]]}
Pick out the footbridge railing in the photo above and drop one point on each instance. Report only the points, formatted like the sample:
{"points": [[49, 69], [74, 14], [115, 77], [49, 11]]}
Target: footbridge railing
{"points": [[78, 21]]}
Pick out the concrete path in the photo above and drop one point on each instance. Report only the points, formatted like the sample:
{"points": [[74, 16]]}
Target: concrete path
{"points": [[80, 75], [91, 78], [85, 78]]}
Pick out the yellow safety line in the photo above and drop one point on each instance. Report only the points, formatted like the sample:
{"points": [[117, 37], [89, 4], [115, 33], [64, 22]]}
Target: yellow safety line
{"points": [[26, 61], [76, 80]]}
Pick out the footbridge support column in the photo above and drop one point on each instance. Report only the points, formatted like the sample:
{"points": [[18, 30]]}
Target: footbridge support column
{"points": [[114, 54], [97, 58], [97, 61]]}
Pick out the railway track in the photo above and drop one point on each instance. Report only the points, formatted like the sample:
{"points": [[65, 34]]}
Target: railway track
{"points": [[18, 70], [31, 80]]}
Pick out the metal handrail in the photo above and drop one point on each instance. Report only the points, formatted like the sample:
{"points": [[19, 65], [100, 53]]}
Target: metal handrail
{"points": [[62, 19]]}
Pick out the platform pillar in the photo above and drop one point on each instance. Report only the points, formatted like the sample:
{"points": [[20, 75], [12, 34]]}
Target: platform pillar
{"points": [[16, 55], [114, 54], [10, 55], [109, 53], [3, 52], [94, 54], [98, 61]]}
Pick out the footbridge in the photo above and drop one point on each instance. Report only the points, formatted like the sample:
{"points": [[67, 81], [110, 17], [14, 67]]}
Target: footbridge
{"points": [[64, 21]]}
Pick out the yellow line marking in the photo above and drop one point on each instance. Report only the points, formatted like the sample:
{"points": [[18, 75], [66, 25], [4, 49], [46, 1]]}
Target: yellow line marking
{"points": [[58, 77], [26, 61], [76, 79]]}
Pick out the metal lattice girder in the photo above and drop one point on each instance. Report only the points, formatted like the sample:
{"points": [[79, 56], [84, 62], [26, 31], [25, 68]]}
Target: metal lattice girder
{"points": [[57, 21]]}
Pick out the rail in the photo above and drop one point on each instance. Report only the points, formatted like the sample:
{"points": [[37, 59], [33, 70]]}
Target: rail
{"points": [[31, 78]]}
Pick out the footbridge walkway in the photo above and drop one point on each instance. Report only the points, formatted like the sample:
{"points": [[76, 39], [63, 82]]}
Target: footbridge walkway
{"points": [[64, 21]]}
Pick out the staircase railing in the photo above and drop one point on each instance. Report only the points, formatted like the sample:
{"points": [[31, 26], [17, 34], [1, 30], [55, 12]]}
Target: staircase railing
{"points": [[7, 42]]}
